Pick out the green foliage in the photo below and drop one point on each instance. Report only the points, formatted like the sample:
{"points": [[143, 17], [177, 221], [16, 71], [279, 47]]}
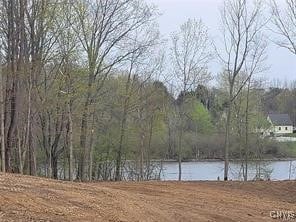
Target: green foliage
{"points": [[259, 122], [202, 119]]}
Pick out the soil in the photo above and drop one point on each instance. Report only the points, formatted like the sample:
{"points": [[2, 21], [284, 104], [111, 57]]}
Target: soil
{"points": [[26, 198]]}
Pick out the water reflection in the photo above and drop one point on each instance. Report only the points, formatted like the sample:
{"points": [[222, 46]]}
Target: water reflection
{"points": [[275, 170]]}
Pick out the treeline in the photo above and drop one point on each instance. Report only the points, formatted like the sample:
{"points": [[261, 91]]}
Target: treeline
{"points": [[57, 57], [89, 91]]}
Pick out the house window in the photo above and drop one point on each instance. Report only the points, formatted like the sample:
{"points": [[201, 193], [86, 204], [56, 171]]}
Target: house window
{"points": [[280, 128], [286, 128]]}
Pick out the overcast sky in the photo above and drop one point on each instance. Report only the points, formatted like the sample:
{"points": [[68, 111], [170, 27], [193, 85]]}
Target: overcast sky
{"points": [[175, 12]]}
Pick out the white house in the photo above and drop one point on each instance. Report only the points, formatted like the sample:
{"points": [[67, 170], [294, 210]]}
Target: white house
{"points": [[281, 124]]}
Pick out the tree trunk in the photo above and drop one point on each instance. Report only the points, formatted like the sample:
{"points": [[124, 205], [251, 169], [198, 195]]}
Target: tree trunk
{"points": [[81, 171], [142, 156], [70, 143], [54, 167], [49, 160], [247, 134], [180, 154], [28, 134], [142, 139], [2, 133], [123, 126], [11, 128], [149, 147], [32, 157], [11, 85], [91, 144], [227, 134], [20, 153], [119, 151]]}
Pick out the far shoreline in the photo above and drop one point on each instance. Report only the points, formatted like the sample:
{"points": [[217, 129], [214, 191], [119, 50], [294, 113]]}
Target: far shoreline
{"points": [[221, 160]]}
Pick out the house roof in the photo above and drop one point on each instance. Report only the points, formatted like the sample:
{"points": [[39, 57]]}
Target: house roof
{"points": [[280, 119]]}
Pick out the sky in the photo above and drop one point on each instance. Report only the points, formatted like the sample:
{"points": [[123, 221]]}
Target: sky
{"points": [[282, 63]]}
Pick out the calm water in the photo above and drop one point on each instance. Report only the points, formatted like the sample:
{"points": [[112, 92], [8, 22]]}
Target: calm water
{"points": [[276, 170]]}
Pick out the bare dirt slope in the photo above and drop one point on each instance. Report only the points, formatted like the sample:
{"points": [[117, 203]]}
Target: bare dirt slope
{"points": [[24, 198]]}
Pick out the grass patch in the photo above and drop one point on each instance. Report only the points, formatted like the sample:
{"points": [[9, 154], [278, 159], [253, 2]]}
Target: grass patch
{"points": [[288, 148]]}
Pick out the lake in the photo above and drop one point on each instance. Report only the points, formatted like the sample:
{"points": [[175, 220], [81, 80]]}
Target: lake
{"points": [[275, 170]]}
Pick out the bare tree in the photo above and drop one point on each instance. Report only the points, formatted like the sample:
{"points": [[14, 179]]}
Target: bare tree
{"points": [[243, 53], [103, 28], [68, 52], [284, 21], [190, 55], [139, 65]]}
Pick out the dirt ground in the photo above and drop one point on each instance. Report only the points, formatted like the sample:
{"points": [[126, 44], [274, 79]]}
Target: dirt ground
{"points": [[25, 198]]}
